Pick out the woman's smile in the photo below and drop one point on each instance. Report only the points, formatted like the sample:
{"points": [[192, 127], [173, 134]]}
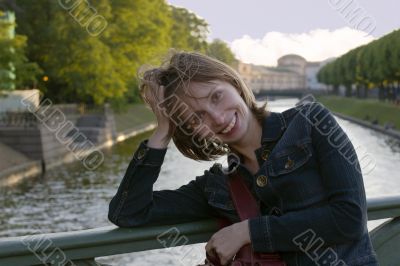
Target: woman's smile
{"points": [[232, 126]]}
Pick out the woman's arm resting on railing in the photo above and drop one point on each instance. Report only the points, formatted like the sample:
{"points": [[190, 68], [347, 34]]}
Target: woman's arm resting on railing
{"points": [[136, 203]]}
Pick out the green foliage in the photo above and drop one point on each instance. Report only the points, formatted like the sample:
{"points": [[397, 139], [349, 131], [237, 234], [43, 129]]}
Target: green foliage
{"points": [[376, 64], [139, 33], [221, 51], [87, 68], [82, 67], [15, 68], [189, 32]]}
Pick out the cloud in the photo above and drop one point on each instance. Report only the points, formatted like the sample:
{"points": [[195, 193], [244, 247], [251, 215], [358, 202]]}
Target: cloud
{"points": [[316, 45]]}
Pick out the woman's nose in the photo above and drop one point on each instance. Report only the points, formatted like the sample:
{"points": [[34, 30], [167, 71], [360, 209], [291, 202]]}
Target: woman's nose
{"points": [[217, 117]]}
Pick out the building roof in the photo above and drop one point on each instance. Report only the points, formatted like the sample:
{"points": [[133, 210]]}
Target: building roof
{"points": [[292, 55]]}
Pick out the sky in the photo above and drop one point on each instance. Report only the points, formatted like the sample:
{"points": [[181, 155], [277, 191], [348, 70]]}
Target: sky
{"points": [[260, 32]]}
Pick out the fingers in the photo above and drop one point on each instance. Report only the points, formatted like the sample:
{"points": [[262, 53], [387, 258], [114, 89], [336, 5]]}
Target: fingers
{"points": [[212, 260], [154, 96], [209, 248], [210, 251], [214, 257], [159, 93], [218, 254]]}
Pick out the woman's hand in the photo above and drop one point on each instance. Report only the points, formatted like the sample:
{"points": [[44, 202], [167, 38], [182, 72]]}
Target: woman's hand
{"points": [[225, 243], [154, 94]]}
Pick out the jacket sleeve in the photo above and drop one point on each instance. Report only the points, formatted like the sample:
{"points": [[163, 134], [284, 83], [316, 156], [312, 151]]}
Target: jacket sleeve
{"points": [[343, 217], [136, 203]]}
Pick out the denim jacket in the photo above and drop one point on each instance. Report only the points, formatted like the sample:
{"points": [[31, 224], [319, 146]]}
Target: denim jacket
{"points": [[309, 186]]}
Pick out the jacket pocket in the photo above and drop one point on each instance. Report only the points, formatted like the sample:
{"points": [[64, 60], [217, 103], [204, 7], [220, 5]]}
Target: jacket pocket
{"points": [[221, 200], [218, 195], [289, 158]]}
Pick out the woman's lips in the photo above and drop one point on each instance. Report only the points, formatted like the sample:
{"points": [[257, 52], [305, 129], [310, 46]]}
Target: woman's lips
{"points": [[233, 129]]}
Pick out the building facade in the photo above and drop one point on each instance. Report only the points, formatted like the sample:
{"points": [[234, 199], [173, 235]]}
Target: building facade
{"points": [[293, 72]]}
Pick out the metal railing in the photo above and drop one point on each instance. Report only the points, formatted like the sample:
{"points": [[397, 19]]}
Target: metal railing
{"points": [[82, 247]]}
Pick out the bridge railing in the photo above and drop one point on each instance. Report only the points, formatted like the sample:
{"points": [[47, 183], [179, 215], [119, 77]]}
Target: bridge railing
{"points": [[82, 247]]}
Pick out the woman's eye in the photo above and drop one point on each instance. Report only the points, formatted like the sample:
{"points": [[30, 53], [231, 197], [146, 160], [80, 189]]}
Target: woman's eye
{"points": [[217, 96]]}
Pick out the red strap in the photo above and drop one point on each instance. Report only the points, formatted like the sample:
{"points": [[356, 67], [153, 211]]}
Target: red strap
{"points": [[246, 205]]}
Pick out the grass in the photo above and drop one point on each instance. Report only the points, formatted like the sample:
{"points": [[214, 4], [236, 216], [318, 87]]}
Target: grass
{"points": [[135, 115], [361, 108]]}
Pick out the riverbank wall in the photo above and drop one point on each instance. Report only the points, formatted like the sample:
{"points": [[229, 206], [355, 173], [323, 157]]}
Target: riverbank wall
{"points": [[390, 132], [30, 147]]}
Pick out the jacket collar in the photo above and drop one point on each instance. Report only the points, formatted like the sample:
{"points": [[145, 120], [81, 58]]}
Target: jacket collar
{"points": [[273, 126]]}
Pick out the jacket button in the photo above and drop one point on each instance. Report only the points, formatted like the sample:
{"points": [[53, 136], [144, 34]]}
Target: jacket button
{"points": [[276, 211], [261, 181], [265, 154], [289, 164], [141, 153]]}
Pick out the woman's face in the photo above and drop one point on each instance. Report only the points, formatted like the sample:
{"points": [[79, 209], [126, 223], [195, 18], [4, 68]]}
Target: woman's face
{"points": [[221, 108]]}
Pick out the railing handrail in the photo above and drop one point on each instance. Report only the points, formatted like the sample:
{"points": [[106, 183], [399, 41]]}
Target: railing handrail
{"points": [[111, 240], [383, 207]]}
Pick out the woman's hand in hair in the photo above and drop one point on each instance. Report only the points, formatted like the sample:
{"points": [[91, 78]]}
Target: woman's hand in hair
{"points": [[154, 96]]}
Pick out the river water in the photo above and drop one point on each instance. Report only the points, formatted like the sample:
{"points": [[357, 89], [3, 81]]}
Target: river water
{"points": [[72, 198]]}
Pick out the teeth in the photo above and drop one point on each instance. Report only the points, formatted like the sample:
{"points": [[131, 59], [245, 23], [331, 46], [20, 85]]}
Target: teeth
{"points": [[230, 126]]}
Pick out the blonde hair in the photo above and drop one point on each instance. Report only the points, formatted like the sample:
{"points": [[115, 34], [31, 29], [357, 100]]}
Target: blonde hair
{"points": [[175, 74]]}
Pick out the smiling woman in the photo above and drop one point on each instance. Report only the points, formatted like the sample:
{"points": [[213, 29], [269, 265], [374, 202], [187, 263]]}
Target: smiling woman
{"points": [[303, 185], [208, 94]]}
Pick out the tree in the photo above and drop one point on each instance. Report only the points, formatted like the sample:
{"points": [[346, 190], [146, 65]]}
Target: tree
{"points": [[96, 69], [221, 51], [79, 65], [376, 64], [189, 32], [139, 33]]}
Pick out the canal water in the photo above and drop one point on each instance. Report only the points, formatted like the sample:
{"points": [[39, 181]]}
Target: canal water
{"points": [[72, 198]]}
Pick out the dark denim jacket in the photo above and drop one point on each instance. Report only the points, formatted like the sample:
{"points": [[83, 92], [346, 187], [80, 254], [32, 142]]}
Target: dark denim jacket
{"points": [[309, 186]]}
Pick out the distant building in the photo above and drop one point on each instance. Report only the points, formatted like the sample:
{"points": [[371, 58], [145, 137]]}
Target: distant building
{"points": [[293, 72], [312, 69], [312, 83]]}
